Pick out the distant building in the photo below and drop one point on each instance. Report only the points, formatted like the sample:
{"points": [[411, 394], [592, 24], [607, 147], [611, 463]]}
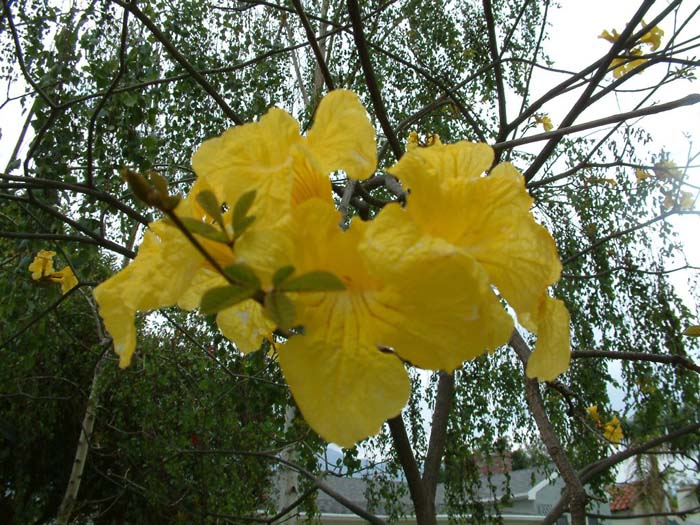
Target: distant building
{"points": [[533, 496]]}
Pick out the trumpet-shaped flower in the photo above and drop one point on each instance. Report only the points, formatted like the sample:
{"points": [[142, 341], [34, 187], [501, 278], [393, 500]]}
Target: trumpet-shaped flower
{"points": [[42, 265], [613, 430], [284, 168], [667, 169], [624, 65], [452, 209], [545, 121], [66, 277], [652, 37], [433, 312], [412, 286], [42, 268]]}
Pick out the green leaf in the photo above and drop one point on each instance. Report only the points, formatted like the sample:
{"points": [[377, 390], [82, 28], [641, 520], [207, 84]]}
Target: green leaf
{"points": [[280, 309], [217, 299], [14, 165], [205, 230], [282, 275], [207, 200], [692, 331], [313, 282], [240, 210], [242, 226], [243, 274]]}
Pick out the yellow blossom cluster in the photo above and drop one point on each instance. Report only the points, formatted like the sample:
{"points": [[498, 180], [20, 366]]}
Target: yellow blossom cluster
{"points": [[415, 285], [42, 269], [545, 121], [612, 430], [623, 65]]}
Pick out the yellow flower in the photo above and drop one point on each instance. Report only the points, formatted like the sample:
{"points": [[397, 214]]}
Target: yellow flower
{"points": [[66, 277], [42, 265], [593, 412], [42, 268], [686, 201], [652, 37], [453, 212], [641, 174], [667, 169], [623, 65], [613, 430], [272, 157], [612, 38], [545, 121], [269, 156]]}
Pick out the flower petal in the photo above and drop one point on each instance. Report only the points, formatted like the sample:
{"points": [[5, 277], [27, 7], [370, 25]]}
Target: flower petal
{"points": [[553, 348], [251, 156], [519, 255], [246, 325], [345, 392], [462, 160], [161, 272], [442, 318], [342, 137]]}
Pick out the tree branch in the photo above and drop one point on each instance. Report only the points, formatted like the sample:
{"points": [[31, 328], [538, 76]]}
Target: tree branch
{"points": [[180, 59], [311, 37], [438, 432], [688, 100], [575, 493], [637, 356], [423, 506], [370, 79]]}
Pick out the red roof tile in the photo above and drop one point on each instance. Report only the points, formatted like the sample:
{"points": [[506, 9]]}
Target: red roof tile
{"points": [[624, 496]]}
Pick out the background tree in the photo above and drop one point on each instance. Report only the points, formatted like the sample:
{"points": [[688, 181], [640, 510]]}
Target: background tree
{"points": [[196, 430]]}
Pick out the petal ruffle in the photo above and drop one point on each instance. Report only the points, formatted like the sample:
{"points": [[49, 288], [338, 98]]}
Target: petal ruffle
{"points": [[519, 255], [342, 137], [253, 156], [157, 277], [344, 392], [462, 160]]}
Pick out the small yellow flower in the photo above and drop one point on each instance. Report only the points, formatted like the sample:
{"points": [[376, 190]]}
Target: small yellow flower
{"points": [[545, 121], [624, 65], [593, 412], [652, 37], [42, 269], [641, 174], [613, 430], [686, 200], [42, 265], [66, 277], [612, 38], [667, 169]]}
